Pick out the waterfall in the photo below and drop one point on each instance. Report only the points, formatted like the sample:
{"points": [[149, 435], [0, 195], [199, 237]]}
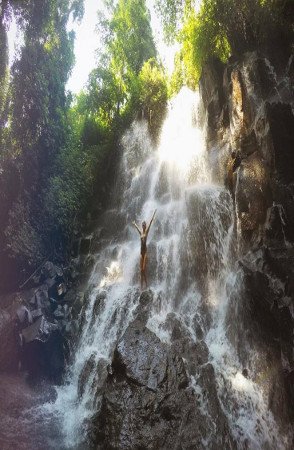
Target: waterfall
{"points": [[191, 270]]}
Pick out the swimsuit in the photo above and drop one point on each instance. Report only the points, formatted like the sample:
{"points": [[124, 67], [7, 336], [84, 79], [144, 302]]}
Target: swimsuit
{"points": [[143, 244]]}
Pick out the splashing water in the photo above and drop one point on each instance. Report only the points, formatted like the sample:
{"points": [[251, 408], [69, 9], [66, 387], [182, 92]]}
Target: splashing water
{"points": [[190, 269]]}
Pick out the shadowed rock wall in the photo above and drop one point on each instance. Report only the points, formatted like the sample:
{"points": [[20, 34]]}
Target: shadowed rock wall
{"points": [[250, 133]]}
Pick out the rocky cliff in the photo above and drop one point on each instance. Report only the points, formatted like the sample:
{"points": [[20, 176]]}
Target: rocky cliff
{"points": [[148, 399], [250, 133], [225, 329]]}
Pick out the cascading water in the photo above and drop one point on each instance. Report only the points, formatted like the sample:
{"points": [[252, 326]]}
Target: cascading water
{"points": [[191, 272]]}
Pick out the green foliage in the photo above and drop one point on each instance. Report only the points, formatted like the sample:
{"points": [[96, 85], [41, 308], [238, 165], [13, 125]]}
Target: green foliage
{"points": [[71, 186], [128, 36], [178, 78], [3, 67], [201, 37], [128, 42], [78, 166], [24, 241], [5, 16], [152, 94], [132, 42], [34, 126], [58, 155], [171, 13], [38, 89], [106, 94], [221, 28]]}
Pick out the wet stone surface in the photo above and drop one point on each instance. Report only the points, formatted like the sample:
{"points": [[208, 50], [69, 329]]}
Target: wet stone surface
{"points": [[37, 324], [148, 401]]}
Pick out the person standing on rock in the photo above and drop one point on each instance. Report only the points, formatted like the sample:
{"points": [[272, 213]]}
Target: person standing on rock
{"points": [[143, 258]]}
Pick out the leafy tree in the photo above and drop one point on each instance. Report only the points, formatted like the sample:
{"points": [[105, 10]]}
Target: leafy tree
{"points": [[201, 37], [38, 89], [171, 13], [152, 95], [128, 36], [60, 154], [107, 93], [36, 124], [7, 7], [128, 44], [223, 27]]}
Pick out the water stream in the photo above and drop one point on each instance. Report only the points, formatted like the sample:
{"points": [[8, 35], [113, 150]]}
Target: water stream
{"points": [[191, 271]]}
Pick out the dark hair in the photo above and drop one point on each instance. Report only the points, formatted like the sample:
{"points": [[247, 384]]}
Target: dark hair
{"points": [[143, 224]]}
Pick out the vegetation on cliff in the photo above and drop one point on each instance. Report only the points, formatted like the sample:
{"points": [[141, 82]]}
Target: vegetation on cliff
{"points": [[221, 28], [55, 150]]}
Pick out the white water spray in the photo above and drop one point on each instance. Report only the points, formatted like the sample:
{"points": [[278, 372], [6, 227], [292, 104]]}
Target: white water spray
{"points": [[190, 267]]}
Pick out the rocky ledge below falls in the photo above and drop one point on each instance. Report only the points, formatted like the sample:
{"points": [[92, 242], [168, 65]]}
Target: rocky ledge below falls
{"points": [[153, 398], [38, 324]]}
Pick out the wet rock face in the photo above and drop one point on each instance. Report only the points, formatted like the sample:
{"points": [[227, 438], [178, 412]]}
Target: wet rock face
{"points": [[258, 137], [213, 97], [148, 401], [256, 154], [252, 195], [281, 123], [267, 318]]}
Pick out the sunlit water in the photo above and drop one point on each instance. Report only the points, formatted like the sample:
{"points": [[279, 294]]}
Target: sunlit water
{"points": [[190, 268]]}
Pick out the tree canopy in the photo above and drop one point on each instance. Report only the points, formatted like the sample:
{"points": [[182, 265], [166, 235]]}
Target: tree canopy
{"points": [[222, 28], [58, 149]]}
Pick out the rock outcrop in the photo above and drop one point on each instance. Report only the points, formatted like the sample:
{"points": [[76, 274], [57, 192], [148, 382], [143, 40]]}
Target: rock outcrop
{"points": [[250, 127], [152, 399], [250, 124], [164, 395], [36, 325]]}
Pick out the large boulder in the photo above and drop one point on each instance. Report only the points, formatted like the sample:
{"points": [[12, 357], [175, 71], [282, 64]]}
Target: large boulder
{"points": [[36, 324], [148, 401], [252, 194]]}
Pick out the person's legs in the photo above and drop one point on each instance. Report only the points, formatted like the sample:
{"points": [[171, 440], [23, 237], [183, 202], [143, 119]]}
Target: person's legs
{"points": [[143, 261], [144, 268]]}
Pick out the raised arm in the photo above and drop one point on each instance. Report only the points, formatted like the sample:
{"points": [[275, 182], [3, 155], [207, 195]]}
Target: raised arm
{"points": [[150, 223], [136, 226]]}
